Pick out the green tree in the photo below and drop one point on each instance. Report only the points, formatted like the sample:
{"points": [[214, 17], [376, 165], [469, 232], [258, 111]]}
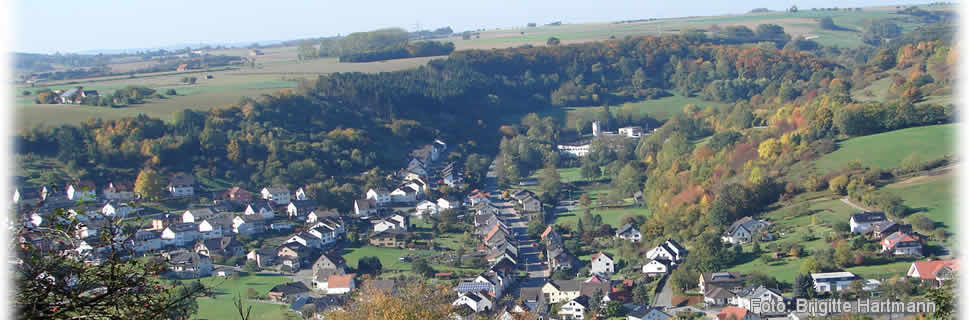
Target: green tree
{"points": [[551, 181], [369, 265], [629, 180], [149, 184], [809, 265], [590, 171]]}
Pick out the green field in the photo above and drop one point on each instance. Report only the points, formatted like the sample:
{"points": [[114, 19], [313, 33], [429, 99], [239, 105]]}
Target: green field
{"points": [[221, 305], [932, 196], [887, 150], [611, 217], [390, 259]]}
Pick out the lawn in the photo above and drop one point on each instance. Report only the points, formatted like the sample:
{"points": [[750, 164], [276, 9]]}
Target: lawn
{"points": [[390, 259], [611, 217], [932, 196], [225, 290], [887, 150]]}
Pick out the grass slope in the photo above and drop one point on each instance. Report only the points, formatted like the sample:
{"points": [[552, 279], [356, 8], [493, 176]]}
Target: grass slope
{"points": [[887, 150], [221, 305]]}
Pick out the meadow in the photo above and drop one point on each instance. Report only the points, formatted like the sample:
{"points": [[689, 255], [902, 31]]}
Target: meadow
{"points": [[887, 150], [221, 304]]}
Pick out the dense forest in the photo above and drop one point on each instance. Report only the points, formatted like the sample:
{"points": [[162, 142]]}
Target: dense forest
{"points": [[330, 130]]}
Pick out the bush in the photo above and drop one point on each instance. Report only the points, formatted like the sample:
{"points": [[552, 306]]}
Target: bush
{"points": [[252, 266], [170, 92]]}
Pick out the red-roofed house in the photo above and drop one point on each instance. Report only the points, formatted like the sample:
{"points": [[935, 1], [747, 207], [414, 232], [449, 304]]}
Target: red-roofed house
{"points": [[736, 313], [340, 284], [904, 244], [938, 270]]}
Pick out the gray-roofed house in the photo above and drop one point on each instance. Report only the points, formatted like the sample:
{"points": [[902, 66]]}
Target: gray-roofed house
{"points": [[629, 232], [766, 296], [326, 265], [288, 291], [364, 207], [276, 194], [744, 230], [301, 208], [262, 208], [862, 222], [187, 264]]}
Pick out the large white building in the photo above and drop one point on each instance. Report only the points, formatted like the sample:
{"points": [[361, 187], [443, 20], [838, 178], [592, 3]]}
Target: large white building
{"points": [[832, 281], [574, 150]]}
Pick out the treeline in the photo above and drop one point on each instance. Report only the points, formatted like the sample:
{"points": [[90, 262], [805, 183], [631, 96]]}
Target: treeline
{"points": [[412, 50]]}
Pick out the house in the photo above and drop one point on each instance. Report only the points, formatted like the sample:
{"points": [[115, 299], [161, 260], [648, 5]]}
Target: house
{"points": [[187, 264], [293, 255], [81, 191], [631, 132], [196, 215], [730, 280], [301, 208], [216, 226], [287, 291], [575, 308], [225, 246], [326, 265], [402, 222], [69, 96], [669, 251], [386, 285], [647, 313], [832, 281], [404, 194], [328, 229], [261, 208], [477, 301], [301, 194], [477, 196], [380, 195], [238, 194], [736, 313], [744, 230], [389, 239], [341, 283], [316, 215], [754, 297], [119, 191], [427, 208], [629, 232], [147, 241], [602, 263], [26, 196], [717, 296], [863, 222], [115, 209], [181, 185], [531, 204], [444, 204], [278, 195], [936, 270], [248, 224], [556, 291], [164, 220], [880, 230], [656, 268], [364, 207], [180, 234], [263, 257], [902, 244], [223, 272]]}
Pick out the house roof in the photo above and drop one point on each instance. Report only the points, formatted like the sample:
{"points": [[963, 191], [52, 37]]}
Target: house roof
{"points": [[183, 227], [928, 269], [581, 300], [732, 312], [831, 275], [757, 291], [277, 189], [894, 239], [181, 179], [596, 256], [721, 277], [472, 286], [382, 284], [747, 223], [340, 280], [625, 228], [567, 285], [302, 204], [864, 217], [290, 288], [716, 292]]}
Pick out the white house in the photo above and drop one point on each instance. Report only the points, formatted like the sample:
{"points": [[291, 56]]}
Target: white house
{"points": [[404, 194], [364, 207], [832, 281], [300, 208], [602, 263], [448, 204], [306, 239], [381, 225], [669, 251], [278, 195], [250, 224], [475, 300], [180, 234], [301, 194], [575, 308], [628, 232], [380, 195], [340, 283], [647, 313], [261, 208], [764, 295], [656, 267], [427, 208], [181, 185], [862, 222], [112, 209], [744, 230], [119, 192], [82, 191], [196, 215]]}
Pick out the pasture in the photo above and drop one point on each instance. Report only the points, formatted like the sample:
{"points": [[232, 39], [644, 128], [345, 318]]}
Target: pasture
{"points": [[887, 150], [221, 304], [932, 196]]}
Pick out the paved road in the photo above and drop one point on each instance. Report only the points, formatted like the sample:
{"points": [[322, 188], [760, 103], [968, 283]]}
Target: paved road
{"points": [[665, 296], [527, 250], [852, 204]]}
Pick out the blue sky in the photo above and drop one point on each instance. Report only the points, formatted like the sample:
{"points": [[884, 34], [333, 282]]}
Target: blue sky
{"points": [[46, 26]]}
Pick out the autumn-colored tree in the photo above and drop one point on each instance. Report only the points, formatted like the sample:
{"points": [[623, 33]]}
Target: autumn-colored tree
{"points": [[149, 184], [414, 301], [769, 148]]}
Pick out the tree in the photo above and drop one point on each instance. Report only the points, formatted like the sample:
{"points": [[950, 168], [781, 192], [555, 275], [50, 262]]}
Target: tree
{"points": [[641, 294], [553, 41], [422, 268], [590, 171], [810, 265], [551, 182], [614, 309], [252, 266], [629, 180], [369, 265], [413, 301], [149, 184], [57, 283], [584, 200], [827, 23], [804, 286]]}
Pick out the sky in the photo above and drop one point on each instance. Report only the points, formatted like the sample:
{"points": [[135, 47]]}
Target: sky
{"points": [[48, 26]]}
